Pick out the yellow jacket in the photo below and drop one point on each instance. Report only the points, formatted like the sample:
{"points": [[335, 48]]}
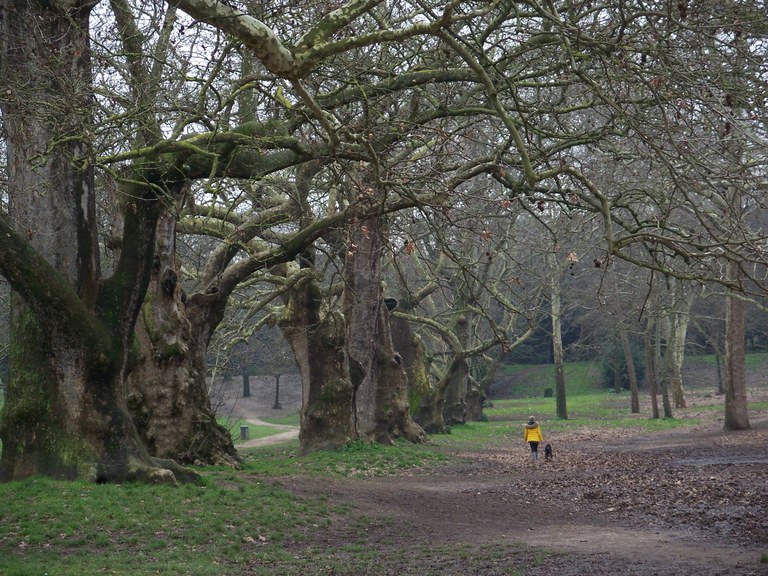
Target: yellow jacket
{"points": [[532, 433]]}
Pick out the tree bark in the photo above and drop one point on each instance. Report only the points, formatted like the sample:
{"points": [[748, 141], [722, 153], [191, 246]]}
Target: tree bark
{"points": [[631, 374], [676, 333], [167, 391], [246, 383], [426, 409], [736, 412], [557, 339], [650, 370], [665, 401], [277, 405], [455, 383], [317, 339], [382, 412], [71, 332]]}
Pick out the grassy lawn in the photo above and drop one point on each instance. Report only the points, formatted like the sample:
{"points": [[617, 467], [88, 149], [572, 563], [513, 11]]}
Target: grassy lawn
{"points": [[231, 521], [67, 528], [289, 420]]}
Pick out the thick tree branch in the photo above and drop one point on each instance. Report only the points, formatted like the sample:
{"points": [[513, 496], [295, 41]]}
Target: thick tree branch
{"points": [[48, 293], [333, 22], [255, 34]]}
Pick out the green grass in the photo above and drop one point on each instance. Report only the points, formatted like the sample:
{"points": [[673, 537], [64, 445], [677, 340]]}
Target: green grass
{"points": [[760, 405], [233, 426], [290, 420], [232, 521], [432, 560], [254, 430], [581, 378], [242, 522], [356, 459], [67, 528]]}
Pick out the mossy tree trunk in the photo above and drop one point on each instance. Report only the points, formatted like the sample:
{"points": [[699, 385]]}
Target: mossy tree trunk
{"points": [[410, 348], [455, 384], [167, 389], [381, 408], [453, 390], [71, 330], [316, 336]]}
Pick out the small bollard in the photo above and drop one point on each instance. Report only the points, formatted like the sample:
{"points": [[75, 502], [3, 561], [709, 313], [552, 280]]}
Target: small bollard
{"points": [[243, 432]]}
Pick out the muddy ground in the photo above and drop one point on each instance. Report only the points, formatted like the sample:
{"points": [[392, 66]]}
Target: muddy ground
{"points": [[693, 504], [689, 502]]}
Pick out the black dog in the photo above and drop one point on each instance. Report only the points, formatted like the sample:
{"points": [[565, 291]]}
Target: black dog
{"points": [[548, 452]]}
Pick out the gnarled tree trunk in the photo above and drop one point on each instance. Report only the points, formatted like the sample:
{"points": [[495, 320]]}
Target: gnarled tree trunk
{"points": [[167, 389], [409, 347], [454, 386], [71, 331], [317, 339]]}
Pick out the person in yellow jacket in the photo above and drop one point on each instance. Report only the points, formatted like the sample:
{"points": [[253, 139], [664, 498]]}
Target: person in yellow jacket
{"points": [[532, 434]]}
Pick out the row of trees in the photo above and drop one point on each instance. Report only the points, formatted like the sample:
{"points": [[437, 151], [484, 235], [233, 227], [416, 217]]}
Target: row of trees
{"points": [[308, 161]]}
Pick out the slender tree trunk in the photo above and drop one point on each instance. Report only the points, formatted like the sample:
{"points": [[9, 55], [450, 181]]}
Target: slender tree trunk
{"points": [[735, 154], [246, 383], [277, 405], [736, 412], [651, 371], [719, 368], [632, 375], [674, 356], [557, 339], [665, 402]]}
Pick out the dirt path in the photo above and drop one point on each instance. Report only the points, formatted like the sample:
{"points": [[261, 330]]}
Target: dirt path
{"points": [[287, 433], [673, 503], [260, 404]]}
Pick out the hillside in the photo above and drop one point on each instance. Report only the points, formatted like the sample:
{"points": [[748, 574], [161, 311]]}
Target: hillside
{"points": [[699, 374]]}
